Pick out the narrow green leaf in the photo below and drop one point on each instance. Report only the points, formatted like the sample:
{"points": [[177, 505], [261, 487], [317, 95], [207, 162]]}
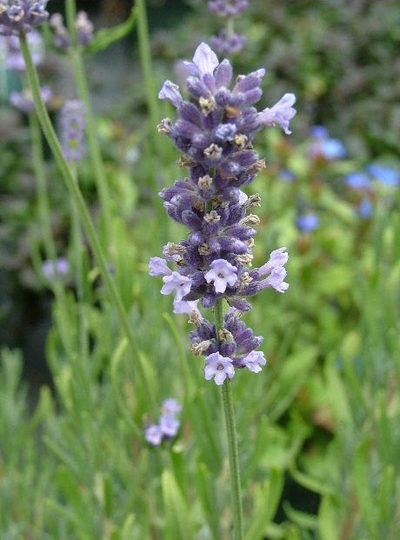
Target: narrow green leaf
{"points": [[177, 515], [266, 499], [328, 519], [107, 36]]}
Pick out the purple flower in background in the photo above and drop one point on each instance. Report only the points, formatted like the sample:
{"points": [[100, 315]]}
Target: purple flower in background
{"points": [[168, 425], [171, 406], [154, 434], [13, 54], [58, 268], [307, 222], [227, 44], [226, 8], [62, 38], [72, 127], [24, 100], [20, 16], [214, 133]]}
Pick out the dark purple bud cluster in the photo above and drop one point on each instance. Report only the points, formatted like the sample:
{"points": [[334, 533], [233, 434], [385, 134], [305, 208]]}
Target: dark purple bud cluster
{"points": [[62, 38], [214, 131], [228, 42], [20, 16]]}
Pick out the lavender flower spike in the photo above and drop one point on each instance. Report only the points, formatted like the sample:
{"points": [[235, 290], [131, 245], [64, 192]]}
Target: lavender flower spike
{"points": [[214, 132], [20, 16]]}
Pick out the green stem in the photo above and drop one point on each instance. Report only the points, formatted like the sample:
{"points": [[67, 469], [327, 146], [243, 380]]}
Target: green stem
{"points": [[230, 425], [233, 454], [148, 73], [91, 130], [46, 226], [75, 193]]}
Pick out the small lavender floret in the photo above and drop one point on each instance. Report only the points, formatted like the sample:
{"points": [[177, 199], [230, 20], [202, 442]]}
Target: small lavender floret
{"points": [[221, 274], [218, 368], [21, 16], [254, 360]]}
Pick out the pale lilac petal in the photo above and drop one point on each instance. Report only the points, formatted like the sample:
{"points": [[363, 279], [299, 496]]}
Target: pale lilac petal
{"points": [[176, 283], [254, 360], [154, 435], [170, 91], [278, 257], [219, 368], [158, 267], [222, 274], [281, 113], [186, 307], [205, 59]]}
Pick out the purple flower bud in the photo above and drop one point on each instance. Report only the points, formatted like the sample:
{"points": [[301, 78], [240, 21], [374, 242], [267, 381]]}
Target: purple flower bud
{"points": [[170, 91], [231, 44]]}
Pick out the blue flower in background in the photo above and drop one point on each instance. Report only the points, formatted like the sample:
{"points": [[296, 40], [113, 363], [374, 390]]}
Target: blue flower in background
{"points": [[358, 181], [326, 146], [307, 222], [385, 175], [365, 209]]}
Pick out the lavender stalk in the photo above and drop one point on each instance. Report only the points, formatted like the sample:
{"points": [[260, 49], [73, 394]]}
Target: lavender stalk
{"points": [[211, 268]]}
